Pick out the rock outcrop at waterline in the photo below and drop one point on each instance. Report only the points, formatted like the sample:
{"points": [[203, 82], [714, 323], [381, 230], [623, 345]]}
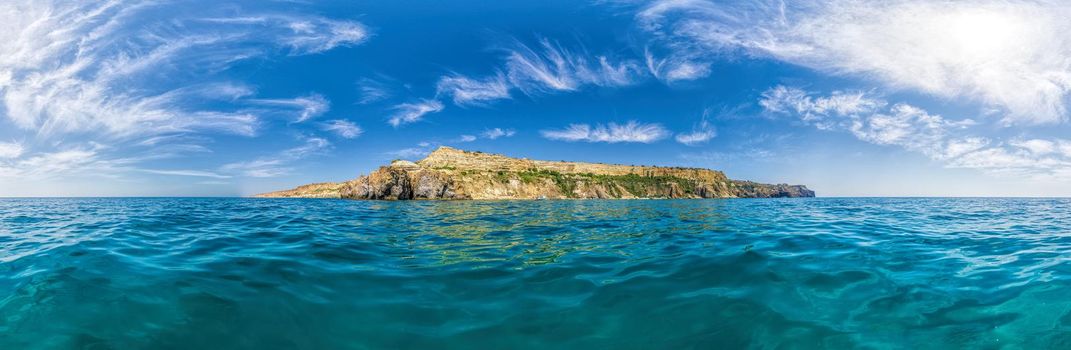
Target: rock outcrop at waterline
{"points": [[449, 173]]}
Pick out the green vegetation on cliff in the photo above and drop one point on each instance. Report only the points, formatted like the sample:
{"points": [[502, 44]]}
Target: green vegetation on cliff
{"points": [[449, 173], [634, 184]]}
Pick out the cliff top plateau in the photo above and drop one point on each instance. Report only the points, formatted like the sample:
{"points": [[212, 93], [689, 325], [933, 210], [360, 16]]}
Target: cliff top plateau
{"points": [[450, 173]]}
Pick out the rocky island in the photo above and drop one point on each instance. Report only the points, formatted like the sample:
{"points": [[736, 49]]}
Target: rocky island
{"points": [[449, 173]]}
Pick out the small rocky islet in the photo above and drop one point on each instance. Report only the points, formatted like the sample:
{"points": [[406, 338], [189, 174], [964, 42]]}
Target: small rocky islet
{"points": [[450, 173]]}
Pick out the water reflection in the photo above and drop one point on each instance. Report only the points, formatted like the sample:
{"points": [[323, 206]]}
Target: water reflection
{"points": [[539, 232]]}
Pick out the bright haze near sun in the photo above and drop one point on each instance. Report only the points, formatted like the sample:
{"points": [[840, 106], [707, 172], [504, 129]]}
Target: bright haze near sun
{"points": [[851, 98]]}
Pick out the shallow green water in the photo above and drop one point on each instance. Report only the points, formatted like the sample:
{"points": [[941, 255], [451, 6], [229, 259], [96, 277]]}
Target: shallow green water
{"points": [[638, 274]]}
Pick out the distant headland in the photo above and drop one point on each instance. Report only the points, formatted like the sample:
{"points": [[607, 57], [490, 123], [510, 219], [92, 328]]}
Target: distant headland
{"points": [[449, 173]]}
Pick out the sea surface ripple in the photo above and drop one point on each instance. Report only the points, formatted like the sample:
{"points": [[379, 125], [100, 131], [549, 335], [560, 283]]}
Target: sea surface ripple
{"points": [[832, 273]]}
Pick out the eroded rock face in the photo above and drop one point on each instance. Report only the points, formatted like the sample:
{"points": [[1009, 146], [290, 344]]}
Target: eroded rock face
{"points": [[748, 189], [449, 173], [394, 182]]}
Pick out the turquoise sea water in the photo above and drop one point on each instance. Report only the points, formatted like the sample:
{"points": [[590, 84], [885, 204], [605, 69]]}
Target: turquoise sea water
{"points": [[629, 274]]}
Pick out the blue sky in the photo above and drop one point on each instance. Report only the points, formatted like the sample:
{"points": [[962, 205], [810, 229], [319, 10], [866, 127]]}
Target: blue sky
{"points": [[852, 98]]}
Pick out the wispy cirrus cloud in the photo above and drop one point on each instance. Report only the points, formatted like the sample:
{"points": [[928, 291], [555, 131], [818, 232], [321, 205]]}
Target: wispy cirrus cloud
{"points": [[300, 34], [278, 164], [701, 133], [545, 68], [1007, 55], [94, 66], [193, 173], [307, 107], [86, 160], [496, 133], [677, 66], [412, 112], [343, 128], [315, 34], [467, 91], [372, 91], [631, 131], [553, 67], [109, 71], [719, 158], [56, 163]]}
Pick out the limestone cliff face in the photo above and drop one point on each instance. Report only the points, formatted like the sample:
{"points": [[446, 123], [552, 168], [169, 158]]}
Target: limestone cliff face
{"points": [[449, 173]]}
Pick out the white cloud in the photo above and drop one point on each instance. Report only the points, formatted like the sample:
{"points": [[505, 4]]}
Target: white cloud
{"points": [[871, 120], [277, 164], [315, 35], [466, 138], [958, 147], [307, 107], [555, 68], [719, 158], [101, 67], [75, 161], [631, 131], [818, 110], [1033, 159], [1035, 146], [264, 167], [226, 91], [701, 133], [676, 68], [782, 98], [372, 91], [467, 91], [868, 118], [1012, 56], [903, 125], [547, 68], [1015, 162], [238, 123], [55, 163], [170, 146], [343, 128], [9, 150], [118, 72], [498, 132], [302, 35], [406, 113], [312, 145], [193, 173]]}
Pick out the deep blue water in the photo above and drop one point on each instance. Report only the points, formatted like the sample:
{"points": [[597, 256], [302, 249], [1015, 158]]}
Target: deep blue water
{"points": [[627, 274]]}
